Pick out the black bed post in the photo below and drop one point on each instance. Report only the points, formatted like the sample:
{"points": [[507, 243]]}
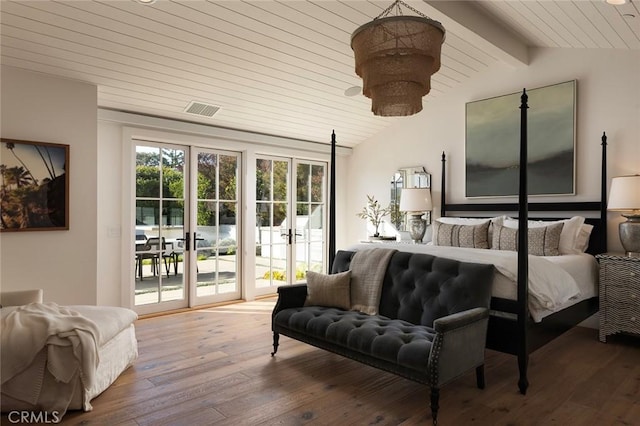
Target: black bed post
{"points": [[523, 255], [332, 203], [603, 194], [443, 197]]}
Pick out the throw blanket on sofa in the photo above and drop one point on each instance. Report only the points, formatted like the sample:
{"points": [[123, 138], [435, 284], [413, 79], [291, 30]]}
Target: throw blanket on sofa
{"points": [[28, 330], [367, 274]]}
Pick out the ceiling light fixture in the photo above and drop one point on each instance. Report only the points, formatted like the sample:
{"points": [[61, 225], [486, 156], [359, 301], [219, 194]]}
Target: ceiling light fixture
{"points": [[146, 1], [395, 57], [616, 2]]}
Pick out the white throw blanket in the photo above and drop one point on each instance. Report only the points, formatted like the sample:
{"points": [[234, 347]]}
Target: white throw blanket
{"points": [[368, 268], [28, 330]]}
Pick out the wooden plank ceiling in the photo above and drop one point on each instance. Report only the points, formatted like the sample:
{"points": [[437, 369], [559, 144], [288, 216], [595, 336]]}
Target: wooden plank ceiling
{"points": [[278, 67]]}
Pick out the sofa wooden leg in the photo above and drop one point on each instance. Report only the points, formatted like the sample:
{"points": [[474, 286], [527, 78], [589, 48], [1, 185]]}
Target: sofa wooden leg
{"points": [[480, 376], [435, 396], [276, 338]]}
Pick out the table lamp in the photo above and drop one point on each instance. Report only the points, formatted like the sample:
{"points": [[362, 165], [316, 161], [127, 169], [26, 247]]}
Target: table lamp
{"points": [[416, 201], [624, 196]]}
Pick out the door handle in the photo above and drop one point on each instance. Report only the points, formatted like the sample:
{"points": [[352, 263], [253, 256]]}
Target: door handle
{"points": [[186, 240], [287, 234], [195, 241]]}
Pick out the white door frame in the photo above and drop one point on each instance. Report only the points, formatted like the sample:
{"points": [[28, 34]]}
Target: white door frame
{"points": [[136, 127], [292, 245], [194, 299]]}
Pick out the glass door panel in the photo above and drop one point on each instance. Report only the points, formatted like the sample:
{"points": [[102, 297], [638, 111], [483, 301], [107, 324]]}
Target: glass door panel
{"points": [[310, 214], [290, 220], [216, 237], [160, 216], [272, 235]]}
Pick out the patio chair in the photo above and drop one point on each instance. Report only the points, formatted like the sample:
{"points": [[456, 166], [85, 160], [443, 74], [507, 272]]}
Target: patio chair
{"points": [[145, 251], [159, 250]]}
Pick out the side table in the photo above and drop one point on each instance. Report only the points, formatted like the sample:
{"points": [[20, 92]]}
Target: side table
{"points": [[619, 294]]}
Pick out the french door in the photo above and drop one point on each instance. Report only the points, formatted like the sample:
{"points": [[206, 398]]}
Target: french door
{"points": [[215, 226], [290, 221], [187, 226]]}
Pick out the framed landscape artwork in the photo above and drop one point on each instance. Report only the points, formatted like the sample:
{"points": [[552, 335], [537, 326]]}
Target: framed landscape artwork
{"points": [[34, 192], [493, 143]]}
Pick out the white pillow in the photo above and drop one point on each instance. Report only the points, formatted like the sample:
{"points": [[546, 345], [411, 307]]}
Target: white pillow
{"points": [[567, 237], [582, 240]]}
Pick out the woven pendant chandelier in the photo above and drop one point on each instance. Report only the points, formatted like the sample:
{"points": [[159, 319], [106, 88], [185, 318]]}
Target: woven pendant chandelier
{"points": [[395, 57]]}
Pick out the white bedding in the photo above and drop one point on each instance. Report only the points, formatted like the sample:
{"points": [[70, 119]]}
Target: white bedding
{"points": [[555, 282], [38, 384]]}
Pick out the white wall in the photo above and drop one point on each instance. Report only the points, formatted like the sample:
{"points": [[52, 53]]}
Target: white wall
{"points": [[109, 213], [36, 107], [608, 99]]}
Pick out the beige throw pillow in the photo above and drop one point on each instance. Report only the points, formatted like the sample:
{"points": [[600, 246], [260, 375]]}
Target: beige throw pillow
{"points": [[472, 236], [456, 220], [543, 241], [333, 291], [568, 236]]}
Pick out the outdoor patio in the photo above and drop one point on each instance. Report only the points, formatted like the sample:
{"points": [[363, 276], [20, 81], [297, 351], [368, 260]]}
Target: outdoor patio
{"points": [[172, 286]]}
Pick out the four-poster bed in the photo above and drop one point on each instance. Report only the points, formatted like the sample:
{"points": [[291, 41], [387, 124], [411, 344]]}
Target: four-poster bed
{"points": [[511, 328]]}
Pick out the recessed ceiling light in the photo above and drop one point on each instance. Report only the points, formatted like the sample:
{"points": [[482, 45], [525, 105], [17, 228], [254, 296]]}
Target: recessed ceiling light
{"points": [[616, 2], [146, 1], [353, 91]]}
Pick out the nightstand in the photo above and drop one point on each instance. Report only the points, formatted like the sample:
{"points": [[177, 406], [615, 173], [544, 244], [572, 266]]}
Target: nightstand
{"points": [[619, 294]]}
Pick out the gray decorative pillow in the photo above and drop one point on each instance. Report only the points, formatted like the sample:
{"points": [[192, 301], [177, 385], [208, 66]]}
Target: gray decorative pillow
{"points": [[543, 241], [332, 291], [471, 236]]}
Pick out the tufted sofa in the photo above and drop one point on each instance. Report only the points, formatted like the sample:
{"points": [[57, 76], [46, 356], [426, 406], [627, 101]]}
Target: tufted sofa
{"points": [[431, 324]]}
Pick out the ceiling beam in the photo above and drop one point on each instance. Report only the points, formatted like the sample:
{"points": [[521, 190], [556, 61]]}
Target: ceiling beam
{"points": [[469, 22]]}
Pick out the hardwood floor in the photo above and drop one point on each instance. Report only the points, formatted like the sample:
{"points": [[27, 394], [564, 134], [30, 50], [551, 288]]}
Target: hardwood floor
{"points": [[213, 367]]}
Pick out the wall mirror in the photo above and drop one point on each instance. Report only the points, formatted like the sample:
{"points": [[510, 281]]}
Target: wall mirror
{"points": [[407, 177]]}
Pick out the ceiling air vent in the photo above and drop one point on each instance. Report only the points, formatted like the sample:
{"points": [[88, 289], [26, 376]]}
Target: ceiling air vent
{"points": [[203, 110]]}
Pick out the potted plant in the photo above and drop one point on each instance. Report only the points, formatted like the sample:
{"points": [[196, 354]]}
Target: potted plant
{"points": [[374, 212]]}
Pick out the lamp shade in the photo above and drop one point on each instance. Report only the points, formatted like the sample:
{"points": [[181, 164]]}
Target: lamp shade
{"points": [[624, 194], [415, 200]]}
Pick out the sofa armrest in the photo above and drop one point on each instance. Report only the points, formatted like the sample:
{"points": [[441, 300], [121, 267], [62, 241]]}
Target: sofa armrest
{"points": [[459, 319], [459, 344], [291, 296]]}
